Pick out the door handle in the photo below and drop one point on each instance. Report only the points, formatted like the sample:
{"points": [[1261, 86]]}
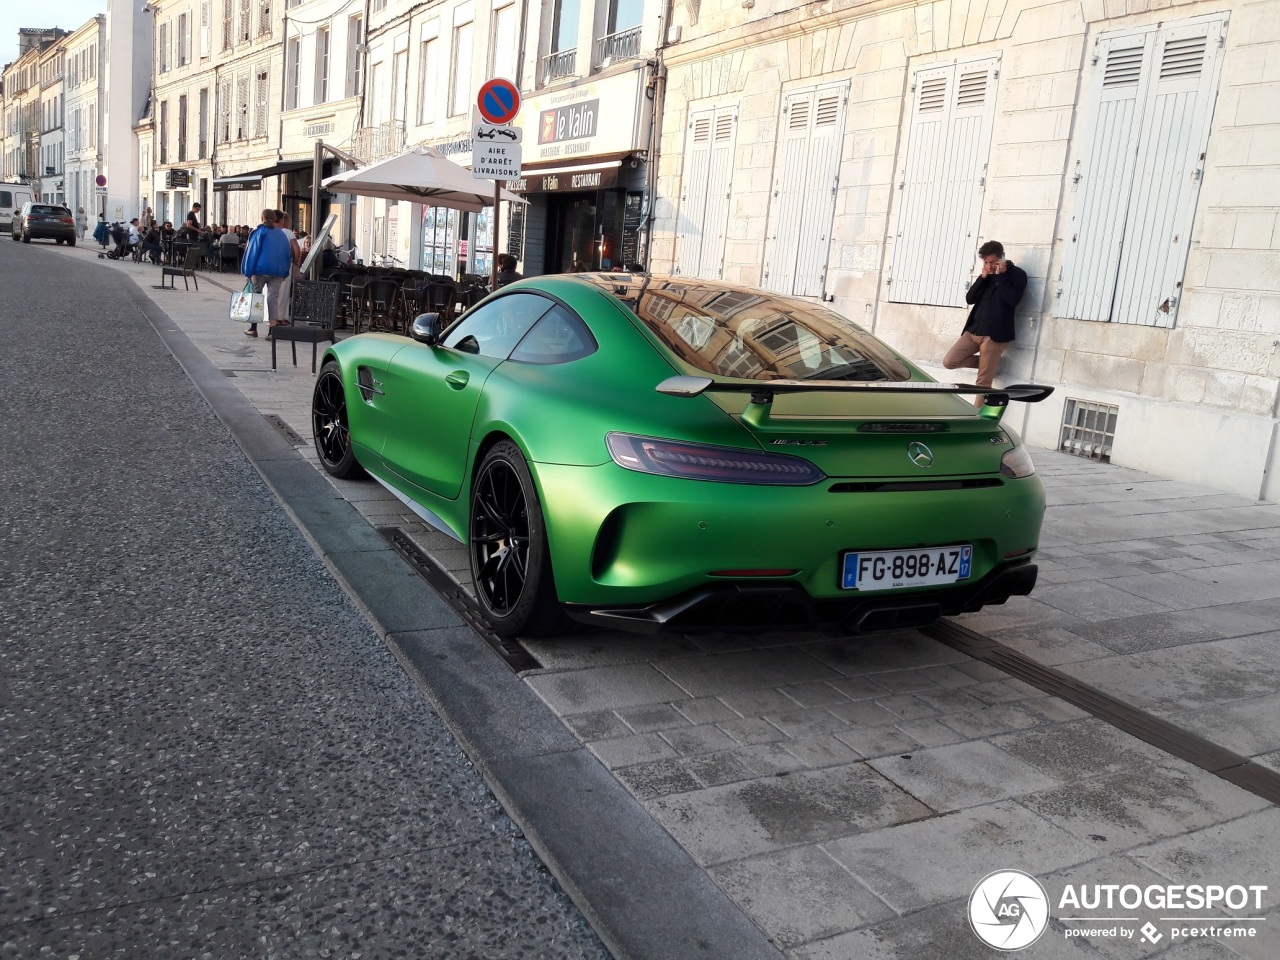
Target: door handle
{"points": [[458, 379]]}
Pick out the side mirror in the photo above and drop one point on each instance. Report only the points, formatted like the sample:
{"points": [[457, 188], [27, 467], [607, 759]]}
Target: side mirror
{"points": [[426, 329]]}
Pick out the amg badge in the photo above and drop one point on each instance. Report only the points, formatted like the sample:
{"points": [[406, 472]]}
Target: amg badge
{"points": [[798, 443]]}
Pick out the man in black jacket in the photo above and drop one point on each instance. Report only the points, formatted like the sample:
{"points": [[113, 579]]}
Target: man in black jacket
{"points": [[989, 329]]}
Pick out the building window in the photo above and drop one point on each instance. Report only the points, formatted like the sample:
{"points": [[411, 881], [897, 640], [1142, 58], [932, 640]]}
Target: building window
{"points": [[291, 67], [228, 24], [184, 39], [322, 65], [182, 129], [564, 26], [261, 89], [246, 19], [203, 122], [1148, 105], [943, 182], [460, 94], [163, 145], [206, 27], [503, 43], [430, 72], [355, 39], [806, 172], [224, 111], [162, 47], [399, 84], [264, 18], [704, 193], [242, 107]]}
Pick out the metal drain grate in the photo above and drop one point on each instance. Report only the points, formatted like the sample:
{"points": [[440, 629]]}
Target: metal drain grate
{"points": [[1181, 743], [289, 433], [517, 657], [1088, 429]]}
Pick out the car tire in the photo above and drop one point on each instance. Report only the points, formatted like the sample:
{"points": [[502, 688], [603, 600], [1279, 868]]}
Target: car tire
{"points": [[57, 241], [507, 543], [71, 242], [26, 237], [13, 235], [330, 427]]}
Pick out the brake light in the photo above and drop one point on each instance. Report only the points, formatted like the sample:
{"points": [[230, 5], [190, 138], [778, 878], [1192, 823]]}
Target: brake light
{"points": [[68, 220], [700, 461]]}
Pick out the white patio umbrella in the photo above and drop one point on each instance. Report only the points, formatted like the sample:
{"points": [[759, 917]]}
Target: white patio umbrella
{"points": [[421, 175]]}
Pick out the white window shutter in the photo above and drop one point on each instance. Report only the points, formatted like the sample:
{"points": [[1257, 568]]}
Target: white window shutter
{"points": [[1169, 167], [788, 192], [806, 174], [719, 183], [1151, 95], [691, 221], [944, 182], [1104, 175]]}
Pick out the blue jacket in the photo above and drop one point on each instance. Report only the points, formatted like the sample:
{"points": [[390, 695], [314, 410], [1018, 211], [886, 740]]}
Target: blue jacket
{"points": [[267, 253]]}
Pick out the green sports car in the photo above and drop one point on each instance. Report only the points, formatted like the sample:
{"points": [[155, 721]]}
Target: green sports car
{"points": [[668, 454]]}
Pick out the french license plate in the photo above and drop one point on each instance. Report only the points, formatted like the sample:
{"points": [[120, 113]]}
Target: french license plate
{"points": [[895, 569]]}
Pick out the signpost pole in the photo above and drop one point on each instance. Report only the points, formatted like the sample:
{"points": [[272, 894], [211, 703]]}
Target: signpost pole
{"points": [[493, 260]]}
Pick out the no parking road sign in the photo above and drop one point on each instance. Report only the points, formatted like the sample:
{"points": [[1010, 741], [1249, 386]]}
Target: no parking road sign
{"points": [[499, 100]]}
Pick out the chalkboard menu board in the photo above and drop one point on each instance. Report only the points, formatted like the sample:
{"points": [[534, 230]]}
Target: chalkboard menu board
{"points": [[515, 231], [632, 221]]}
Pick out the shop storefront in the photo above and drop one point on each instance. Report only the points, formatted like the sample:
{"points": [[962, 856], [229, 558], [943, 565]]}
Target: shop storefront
{"points": [[584, 178]]}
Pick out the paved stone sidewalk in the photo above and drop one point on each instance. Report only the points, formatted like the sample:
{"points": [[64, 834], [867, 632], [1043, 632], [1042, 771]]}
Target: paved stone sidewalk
{"points": [[848, 794]]}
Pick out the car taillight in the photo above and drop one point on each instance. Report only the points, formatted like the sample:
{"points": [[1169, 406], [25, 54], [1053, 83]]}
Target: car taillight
{"points": [[68, 220], [700, 461], [1017, 463]]}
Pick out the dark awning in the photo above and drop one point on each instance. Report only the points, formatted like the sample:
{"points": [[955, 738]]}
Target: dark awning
{"points": [[252, 179]]}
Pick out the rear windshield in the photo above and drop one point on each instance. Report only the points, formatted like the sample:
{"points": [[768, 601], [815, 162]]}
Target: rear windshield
{"points": [[44, 208], [750, 334]]}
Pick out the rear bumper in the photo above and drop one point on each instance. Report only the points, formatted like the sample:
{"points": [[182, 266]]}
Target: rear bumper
{"points": [[753, 607], [37, 232]]}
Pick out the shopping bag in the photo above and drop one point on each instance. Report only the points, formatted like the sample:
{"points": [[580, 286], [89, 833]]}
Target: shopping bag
{"points": [[247, 306]]}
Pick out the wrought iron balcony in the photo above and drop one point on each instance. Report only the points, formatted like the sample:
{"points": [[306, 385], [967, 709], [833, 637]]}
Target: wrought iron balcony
{"points": [[623, 45], [563, 63], [379, 142]]}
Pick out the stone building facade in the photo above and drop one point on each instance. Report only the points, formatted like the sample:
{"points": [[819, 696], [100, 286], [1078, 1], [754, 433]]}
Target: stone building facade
{"points": [[1121, 150]]}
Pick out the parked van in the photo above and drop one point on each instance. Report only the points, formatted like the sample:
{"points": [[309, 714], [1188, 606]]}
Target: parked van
{"points": [[12, 197]]}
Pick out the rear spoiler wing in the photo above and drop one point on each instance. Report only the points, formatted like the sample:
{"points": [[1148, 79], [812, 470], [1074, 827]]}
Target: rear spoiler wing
{"points": [[763, 391]]}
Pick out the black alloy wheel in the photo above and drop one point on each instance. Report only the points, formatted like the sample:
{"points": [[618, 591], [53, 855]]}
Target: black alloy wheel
{"points": [[330, 427], [510, 561]]}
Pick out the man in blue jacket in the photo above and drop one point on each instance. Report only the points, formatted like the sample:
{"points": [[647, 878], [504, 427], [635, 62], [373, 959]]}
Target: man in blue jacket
{"points": [[989, 330], [267, 260]]}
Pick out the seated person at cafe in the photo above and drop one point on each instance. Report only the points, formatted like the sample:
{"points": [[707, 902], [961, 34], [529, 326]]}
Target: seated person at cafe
{"points": [[151, 242]]}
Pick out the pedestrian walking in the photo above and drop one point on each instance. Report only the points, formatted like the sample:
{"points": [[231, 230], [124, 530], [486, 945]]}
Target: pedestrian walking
{"points": [[82, 223], [989, 330], [193, 217], [267, 262]]}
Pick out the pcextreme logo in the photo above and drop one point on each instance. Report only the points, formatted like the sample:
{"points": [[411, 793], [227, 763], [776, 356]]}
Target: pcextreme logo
{"points": [[1009, 910]]}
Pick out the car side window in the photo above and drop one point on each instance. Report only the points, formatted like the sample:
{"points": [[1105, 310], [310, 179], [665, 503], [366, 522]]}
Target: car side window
{"points": [[6, 198], [558, 337], [492, 329]]}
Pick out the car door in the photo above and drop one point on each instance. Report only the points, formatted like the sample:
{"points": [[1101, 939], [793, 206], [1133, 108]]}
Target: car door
{"points": [[432, 392]]}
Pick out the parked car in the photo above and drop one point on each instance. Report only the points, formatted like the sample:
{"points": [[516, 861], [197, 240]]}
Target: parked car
{"points": [[12, 197], [44, 221], [672, 454]]}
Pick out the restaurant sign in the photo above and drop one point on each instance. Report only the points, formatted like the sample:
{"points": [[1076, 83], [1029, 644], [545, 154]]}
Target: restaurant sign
{"points": [[601, 118], [565, 181]]}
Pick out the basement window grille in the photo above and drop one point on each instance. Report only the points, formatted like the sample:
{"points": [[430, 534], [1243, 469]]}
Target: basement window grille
{"points": [[1088, 429]]}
